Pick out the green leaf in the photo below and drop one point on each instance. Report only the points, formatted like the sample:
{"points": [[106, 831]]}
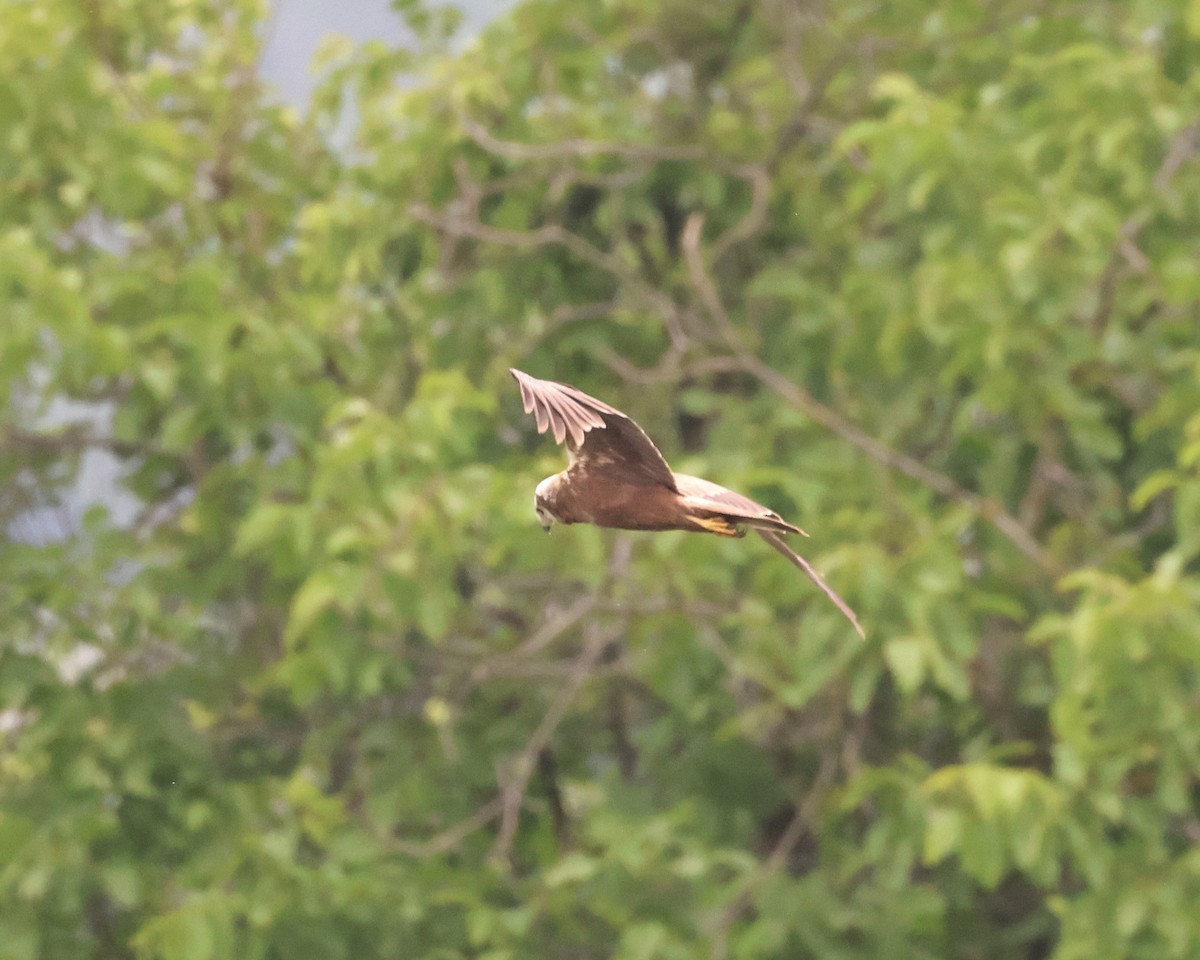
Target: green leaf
{"points": [[642, 941], [183, 934], [264, 524], [943, 834], [316, 595], [906, 659], [572, 869]]}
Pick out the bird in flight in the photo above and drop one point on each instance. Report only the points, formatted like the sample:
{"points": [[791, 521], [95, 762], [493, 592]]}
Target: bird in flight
{"points": [[617, 478]]}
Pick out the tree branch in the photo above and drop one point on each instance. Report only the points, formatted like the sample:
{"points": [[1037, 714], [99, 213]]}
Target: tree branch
{"points": [[777, 859], [1125, 251], [76, 438], [558, 621], [516, 782], [704, 285], [556, 235], [990, 510], [566, 149], [451, 837], [752, 222], [746, 361]]}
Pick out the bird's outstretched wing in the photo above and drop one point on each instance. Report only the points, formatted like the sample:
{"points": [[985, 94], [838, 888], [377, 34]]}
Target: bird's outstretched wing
{"points": [[596, 434], [732, 504], [777, 542]]}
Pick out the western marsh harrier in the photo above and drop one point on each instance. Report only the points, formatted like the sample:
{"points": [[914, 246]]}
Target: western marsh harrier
{"points": [[617, 478]]}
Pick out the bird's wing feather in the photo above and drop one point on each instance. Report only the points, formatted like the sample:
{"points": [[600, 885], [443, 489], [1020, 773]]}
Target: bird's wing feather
{"points": [[778, 543], [597, 435], [732, 502]]}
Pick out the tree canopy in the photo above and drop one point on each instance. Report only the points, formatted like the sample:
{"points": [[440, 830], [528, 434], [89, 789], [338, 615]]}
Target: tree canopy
{"points": [[922, 277]]}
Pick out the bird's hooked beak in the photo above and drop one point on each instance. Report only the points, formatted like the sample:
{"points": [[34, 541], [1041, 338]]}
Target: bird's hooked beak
{"points": [[541, 498]]}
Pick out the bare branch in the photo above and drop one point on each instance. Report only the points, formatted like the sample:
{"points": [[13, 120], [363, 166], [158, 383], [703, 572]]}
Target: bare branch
{"points": [[451, 837], [777, 859], [556, 235], [513, 790], [566, 149], [1125, 251], [703, 282], [809, 93], [558, 621], [752, 222], [576, 312], [744, 360], [666, 372], [1182, 148], [596, 639], [75, 438], [877, 450]]}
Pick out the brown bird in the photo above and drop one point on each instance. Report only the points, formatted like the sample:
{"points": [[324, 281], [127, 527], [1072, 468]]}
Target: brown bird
{"points": [[617, 478]]}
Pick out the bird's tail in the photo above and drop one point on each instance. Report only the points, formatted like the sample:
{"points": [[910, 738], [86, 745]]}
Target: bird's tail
{"points": [[721, 513], [775, 540], [771, 523]]}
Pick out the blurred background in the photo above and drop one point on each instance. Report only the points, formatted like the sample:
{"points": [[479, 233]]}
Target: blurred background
{"points": [[287, 666]]}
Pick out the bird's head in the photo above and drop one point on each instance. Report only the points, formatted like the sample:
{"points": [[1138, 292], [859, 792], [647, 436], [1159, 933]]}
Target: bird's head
{"points": [[543, 497]]}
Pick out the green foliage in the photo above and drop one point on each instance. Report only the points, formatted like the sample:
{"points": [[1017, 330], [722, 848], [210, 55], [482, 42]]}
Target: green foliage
{"points": [[921, 276]]}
